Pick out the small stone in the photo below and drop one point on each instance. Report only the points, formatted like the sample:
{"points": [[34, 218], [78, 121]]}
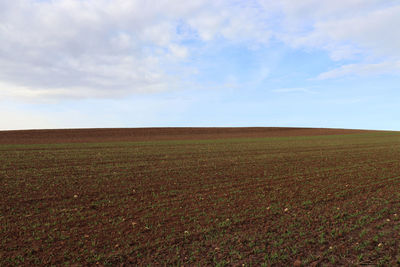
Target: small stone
{"points": [[330, 247], [380, 245], [286, 209], [388, 220], [75, 196]]}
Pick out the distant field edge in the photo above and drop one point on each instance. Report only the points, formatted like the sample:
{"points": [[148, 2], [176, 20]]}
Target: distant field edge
{"points": [[99, 135]]}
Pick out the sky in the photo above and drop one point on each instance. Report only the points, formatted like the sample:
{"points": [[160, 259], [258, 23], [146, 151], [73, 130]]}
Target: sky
{"points": [[199, 63]]}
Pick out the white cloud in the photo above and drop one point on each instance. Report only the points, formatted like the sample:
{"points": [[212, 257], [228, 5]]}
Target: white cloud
{"points": [[358, 30], [370, 33], [178, 51], [362, 70], [101, 47]]}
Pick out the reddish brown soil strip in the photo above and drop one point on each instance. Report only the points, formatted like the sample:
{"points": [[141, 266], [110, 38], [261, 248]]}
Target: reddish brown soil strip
{"points": [[151, 134]]}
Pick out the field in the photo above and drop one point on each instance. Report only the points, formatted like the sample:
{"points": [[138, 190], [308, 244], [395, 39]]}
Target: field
{"points": [[252, 196]]}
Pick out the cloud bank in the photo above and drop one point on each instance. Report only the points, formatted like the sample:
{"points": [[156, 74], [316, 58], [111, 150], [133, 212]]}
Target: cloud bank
{"points": [[103, 48]]}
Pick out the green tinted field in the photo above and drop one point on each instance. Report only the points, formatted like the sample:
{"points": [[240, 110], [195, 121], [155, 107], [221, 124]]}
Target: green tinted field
{"points": [[332, 200]]}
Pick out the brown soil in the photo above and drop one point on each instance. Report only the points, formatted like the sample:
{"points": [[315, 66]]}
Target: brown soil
{"points": [[149, 134], [319, 201]]}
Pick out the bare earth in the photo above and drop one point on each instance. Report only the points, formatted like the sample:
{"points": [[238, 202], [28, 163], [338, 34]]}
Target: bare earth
{"points": [[92, 199], [151, 134]]}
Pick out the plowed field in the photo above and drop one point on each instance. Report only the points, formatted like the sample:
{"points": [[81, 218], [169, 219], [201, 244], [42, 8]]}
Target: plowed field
{"points": [[247, 196], [152, 134]]}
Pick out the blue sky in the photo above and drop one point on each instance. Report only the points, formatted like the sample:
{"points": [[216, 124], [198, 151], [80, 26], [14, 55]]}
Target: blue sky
{"points": [[101, 63]]}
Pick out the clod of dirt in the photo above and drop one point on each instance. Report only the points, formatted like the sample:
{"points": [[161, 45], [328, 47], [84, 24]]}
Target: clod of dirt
{"points": [[297, 263], [35, 248]]}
